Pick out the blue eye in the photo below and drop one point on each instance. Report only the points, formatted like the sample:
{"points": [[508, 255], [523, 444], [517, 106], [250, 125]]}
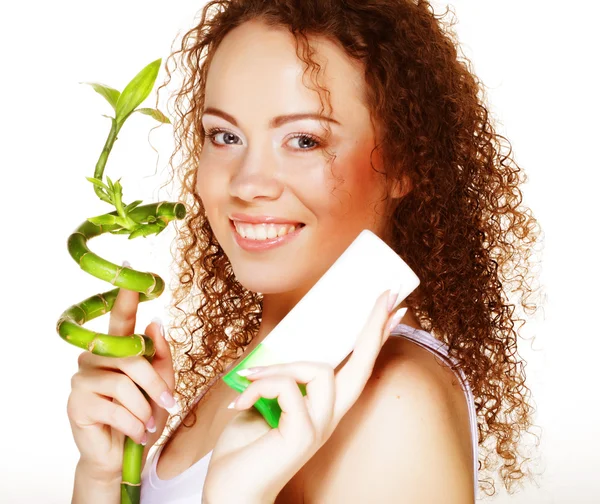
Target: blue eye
{"points": [[227, 135], [306, 138], [306, 141]]}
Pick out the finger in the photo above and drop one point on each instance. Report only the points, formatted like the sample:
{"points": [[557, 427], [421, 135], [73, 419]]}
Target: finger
{"points": [[123, 313], [394, 321], [320, 387], [121, 388], [353, 376], [103, 411], [163, 360], [138, 369], [294, 415]]}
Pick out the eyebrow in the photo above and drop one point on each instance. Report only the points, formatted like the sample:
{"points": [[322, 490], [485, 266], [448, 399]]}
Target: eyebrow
{"points": [[273, 123]]}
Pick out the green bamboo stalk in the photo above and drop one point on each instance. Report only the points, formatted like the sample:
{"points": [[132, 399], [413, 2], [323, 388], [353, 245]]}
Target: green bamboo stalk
{"points": [[112, 138], [133, 220], [149, 285]]}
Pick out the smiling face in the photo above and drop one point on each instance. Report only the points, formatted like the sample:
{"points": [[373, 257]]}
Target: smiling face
{"points": [[256, 161]]}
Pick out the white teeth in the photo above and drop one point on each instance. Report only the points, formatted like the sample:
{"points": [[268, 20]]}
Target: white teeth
{"points": [[262, 231], [271, 231], [281, 231]]}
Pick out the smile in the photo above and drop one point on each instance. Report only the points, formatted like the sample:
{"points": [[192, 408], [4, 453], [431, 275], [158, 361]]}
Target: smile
{"points": [[264, 236]]}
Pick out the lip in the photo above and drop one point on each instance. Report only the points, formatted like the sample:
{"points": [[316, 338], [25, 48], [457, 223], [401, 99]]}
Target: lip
{"points": [[261, 219], [260, 245]]}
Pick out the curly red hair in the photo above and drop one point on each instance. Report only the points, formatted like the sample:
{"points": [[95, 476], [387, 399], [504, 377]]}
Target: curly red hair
{"points": [[461, 228]]}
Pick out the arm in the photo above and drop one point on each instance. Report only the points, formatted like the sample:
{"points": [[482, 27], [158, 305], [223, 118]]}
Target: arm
{"points": [[406, 440], [90, 490]]}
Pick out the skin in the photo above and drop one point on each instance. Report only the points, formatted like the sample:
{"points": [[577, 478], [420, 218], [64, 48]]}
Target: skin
{"points": [[254, 168], [254, 77], [104, 405]]}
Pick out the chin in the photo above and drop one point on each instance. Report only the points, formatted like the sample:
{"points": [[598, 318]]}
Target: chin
{"points": [[272, 282]]}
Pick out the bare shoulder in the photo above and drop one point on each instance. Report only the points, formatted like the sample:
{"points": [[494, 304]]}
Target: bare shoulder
{"points": [[407, 438]]}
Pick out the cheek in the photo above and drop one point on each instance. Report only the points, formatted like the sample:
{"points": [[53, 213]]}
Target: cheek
{"points": [[364, 169], [354, 182], [209, 187]]}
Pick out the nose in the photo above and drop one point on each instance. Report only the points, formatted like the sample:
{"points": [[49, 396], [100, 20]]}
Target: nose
{"points": [[255, 179]]}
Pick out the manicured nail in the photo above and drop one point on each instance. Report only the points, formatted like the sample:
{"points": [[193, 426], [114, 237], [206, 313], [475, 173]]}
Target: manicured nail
{"points": [[144, 439], [126, 264], [396, 318], [169, 403], [160, 325], [391, 300], [250, 370], [151, 425]]}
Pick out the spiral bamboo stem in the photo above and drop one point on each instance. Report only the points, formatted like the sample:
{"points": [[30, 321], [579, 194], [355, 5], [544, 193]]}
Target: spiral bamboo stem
{"points": [[135, 221]]}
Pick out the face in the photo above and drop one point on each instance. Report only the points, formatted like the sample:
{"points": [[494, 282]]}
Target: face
{"points": [[258, 162]]}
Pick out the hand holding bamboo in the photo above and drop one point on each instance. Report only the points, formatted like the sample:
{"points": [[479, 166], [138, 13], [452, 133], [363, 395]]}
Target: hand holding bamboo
{"points": [[134, 220]]}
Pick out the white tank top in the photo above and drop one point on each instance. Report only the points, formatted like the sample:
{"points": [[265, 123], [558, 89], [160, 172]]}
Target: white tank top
{"points": [[186, 488]]}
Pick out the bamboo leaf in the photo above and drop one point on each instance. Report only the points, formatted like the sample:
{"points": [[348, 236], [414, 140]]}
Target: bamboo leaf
{"points": [[131, 206], [111, 95], [103, 220], [97, 182], [137, 90], [135, 233], [156, 114], [118, 187], [104, 196], [118, 197], [145, 230], [121, 221]]}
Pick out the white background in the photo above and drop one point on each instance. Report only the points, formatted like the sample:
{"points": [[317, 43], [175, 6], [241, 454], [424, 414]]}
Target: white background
{"points": [[539, 61]]}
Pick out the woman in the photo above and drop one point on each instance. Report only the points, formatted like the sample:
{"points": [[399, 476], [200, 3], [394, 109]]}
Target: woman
{"points": [[396, 140]]}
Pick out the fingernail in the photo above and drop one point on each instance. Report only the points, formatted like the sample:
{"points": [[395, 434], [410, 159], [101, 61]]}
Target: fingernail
{"points": [[151, 425], [144, 439], [250, 370], [231, 405], [396, 318], [391, 300], [160, 325], [126, 264], [169, 403]]}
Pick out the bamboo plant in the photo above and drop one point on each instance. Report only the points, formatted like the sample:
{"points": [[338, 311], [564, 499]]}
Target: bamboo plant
{"points": [[134, 220]]}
